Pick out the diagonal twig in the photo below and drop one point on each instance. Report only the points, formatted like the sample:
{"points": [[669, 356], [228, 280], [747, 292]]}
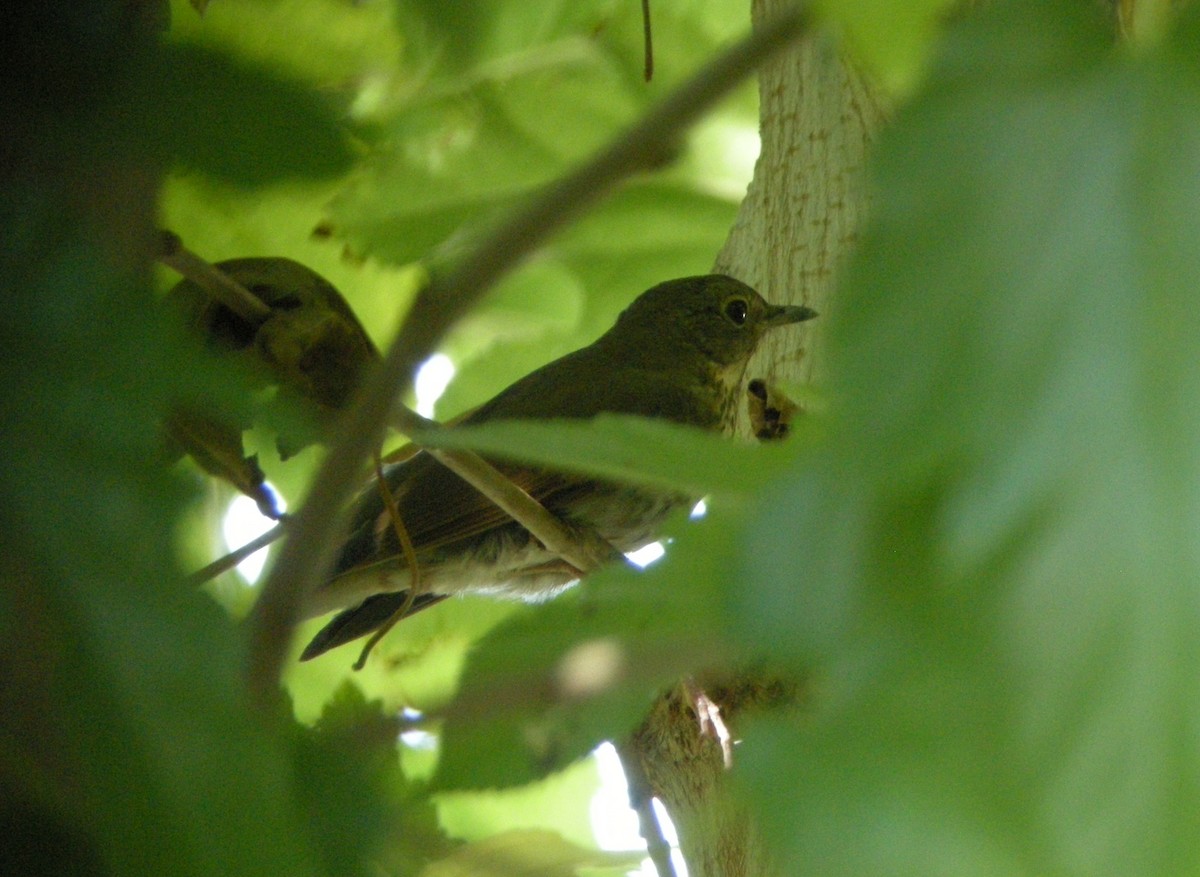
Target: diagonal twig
{"points": [[641, 801], [212, 280], [584, 549]]}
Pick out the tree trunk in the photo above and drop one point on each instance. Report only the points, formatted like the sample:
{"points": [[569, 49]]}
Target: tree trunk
{"points": [[798, 221]]}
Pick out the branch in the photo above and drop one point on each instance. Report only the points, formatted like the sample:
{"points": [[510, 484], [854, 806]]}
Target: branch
{"points": [[306, 557], [583, 548], [233, 558], [641, 801], [212, 280]]}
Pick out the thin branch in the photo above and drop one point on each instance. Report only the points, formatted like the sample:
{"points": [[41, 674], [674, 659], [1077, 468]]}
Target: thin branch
{"points": [[212, 280], [583, 549], [407, 549], [306, 558], [647, 42], [641, 800], [233, 558]]}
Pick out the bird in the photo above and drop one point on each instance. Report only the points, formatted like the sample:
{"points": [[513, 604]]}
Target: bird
{"points": [[678, 352]]}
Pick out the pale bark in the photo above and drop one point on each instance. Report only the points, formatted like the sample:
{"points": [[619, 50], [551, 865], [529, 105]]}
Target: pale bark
{"points": [[802, 211], [799, 219]]}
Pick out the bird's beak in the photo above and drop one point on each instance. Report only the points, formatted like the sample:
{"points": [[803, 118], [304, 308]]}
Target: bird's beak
{"points": [[783, 315]]}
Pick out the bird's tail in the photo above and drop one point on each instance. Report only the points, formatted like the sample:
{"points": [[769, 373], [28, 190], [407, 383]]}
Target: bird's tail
{"points": [[367, 617]]}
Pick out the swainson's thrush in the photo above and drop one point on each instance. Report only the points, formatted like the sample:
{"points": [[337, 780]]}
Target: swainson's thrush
{"points": [[679, 352]]}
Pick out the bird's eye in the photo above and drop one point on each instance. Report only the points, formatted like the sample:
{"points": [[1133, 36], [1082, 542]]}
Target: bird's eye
{"points": [[737, 310]]}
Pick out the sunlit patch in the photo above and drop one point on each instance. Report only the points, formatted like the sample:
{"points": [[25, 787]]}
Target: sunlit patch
{"points": [[416, 738], [615, 824], [646, 555], [590, 668], [433, 377], [243, 523], [726, 153], [742, 146]]}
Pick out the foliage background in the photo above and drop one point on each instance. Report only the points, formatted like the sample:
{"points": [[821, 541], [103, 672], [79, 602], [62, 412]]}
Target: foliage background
{"points": [[983, 557]]}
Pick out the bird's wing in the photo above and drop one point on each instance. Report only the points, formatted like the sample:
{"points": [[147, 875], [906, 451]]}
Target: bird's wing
{"points": [[437, 508]]}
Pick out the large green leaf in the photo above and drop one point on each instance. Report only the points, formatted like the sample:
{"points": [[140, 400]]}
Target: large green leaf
{"points": [[128, 745], [626, 449], [234, 121], [548, 686], [992, 565], [894, 38]]}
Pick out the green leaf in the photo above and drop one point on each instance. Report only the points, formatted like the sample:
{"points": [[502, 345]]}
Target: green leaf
{"points": [[651, 230], [560, 803], [347, 50], [628, 449], [894, 38], [991, 564], [554, 682], [233, 121], [466, 158], [527, 853], [364, 813], [523, 713]]}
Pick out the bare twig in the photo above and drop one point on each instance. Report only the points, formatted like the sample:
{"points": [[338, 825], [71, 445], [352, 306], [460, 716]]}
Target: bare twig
{"points": [[647, 42], [583, 549], [305, 559], [641, 800], [212, 280], [233, 558]]}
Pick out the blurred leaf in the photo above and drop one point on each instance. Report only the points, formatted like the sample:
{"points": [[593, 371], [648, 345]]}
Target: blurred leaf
{"points": [[138, 722], [347, 50], [475, 32], [554, 682], [464, 159], [232, 121], [363, 811], [894, 37], [626, 449], [650, 231], [418, 665], [524, 854], [515, 98], [992, 562], [560, 803]]}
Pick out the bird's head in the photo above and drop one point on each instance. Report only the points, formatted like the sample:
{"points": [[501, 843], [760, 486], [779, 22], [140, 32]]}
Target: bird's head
{"points": [[716, 316]]}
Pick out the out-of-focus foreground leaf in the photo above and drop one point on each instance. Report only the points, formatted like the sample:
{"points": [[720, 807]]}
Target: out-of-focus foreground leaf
{"points": [[126, 745], [625, 449], [893, 38], [554, 682], [993, 564]]}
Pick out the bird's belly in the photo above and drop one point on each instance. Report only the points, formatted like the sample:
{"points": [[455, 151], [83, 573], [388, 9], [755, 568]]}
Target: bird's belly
{"points": [[626, 517], [508, 562]]}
